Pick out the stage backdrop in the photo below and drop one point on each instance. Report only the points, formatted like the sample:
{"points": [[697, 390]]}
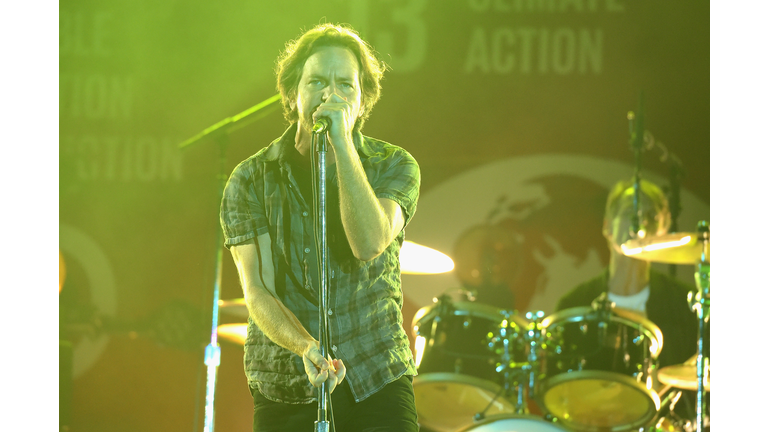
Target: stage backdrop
{"points": [[516, 111]]}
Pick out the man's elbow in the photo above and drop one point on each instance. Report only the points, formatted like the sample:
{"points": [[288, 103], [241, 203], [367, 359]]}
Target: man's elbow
{"points": [[373, 247], [368, 254]]}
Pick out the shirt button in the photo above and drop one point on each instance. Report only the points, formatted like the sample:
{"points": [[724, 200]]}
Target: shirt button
{"points": [[333, 348], [306, 250], [330, 312], [305, 214]]}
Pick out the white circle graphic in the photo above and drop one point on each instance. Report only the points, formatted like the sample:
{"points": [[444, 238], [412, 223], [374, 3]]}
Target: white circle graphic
{"points": [[101, 281]]}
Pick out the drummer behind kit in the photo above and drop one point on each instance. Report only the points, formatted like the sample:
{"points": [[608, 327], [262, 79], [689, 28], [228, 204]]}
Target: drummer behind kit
{"points": [[587, 369]]}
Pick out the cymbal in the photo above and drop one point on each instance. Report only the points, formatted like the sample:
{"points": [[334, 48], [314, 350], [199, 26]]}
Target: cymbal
{"points": [[233, 332], [675, 248], [234, 307], [419, 259], [682, 376]]}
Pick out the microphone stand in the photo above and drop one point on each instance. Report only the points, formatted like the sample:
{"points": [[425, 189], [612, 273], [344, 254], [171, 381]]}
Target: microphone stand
{"points": [[676, 173], [219, 132], [320, 139], [636, 141]]}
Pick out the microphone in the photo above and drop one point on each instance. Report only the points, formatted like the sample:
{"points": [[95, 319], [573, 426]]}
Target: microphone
{"points": [[321, 125]]}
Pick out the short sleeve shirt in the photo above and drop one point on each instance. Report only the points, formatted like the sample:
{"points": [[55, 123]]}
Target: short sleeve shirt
{"points": [[365, 298]]}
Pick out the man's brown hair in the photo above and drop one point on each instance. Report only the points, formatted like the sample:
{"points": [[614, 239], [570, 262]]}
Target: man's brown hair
{"points": [[290, 65]]}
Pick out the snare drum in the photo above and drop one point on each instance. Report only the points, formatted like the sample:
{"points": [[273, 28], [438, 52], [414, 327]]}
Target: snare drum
{"points": [[598, 366], [457, 368], [514, 423]]}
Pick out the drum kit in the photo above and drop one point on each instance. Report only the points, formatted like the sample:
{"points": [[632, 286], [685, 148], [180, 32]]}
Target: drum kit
{"points": [[584, 369]]}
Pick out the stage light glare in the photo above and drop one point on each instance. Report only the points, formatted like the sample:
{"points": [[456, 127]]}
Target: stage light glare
{"points": [[418, 259], [420, 343]]}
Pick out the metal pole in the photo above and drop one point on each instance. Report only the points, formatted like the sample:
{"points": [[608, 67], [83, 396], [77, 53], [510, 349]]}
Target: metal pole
{"points": [[220, 131], [702, 309], [213, 350], [322, 424], [637, 137]]}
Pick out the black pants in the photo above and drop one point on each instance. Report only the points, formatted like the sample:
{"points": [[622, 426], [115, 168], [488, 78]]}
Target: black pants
{"points": [[391, 409]]}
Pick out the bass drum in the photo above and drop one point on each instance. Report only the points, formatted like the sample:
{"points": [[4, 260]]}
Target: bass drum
{"points": [[457, 368], [598, 366], [514, 423]]}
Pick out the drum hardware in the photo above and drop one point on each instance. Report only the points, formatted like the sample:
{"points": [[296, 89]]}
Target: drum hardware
{"points": [[667, 419], [506, 390], [602, 307], [691, 249], [536, 345], [701, 307], [597, 368], [443, 309], [511, 371], [682, 376], [457, 373], [523, 376]]}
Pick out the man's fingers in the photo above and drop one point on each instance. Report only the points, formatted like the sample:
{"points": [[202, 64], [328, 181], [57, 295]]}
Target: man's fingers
{"points": [[316, 377], [330, 110], [335, 107], [333, 381], [320, 370], [314, 356], [341, 370], [319, 379], [315, 366], [336, 374]]}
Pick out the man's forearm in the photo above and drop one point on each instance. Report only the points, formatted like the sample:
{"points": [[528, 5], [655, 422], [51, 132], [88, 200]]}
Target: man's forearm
{"points": [[277, 322], [368, 228]]}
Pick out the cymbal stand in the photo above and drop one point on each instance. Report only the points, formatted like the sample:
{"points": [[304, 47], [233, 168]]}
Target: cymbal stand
{"points": [[700, 305]]}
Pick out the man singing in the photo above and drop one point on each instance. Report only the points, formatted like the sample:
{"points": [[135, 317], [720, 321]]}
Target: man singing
{"points": [[267, 217]]}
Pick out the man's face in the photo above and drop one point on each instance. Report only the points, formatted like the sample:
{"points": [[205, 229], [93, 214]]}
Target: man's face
{"points": [[327, 71], [618, 229]]}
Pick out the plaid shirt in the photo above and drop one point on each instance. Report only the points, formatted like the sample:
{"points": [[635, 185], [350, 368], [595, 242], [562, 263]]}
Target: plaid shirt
{"points": [[365, 298]]}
